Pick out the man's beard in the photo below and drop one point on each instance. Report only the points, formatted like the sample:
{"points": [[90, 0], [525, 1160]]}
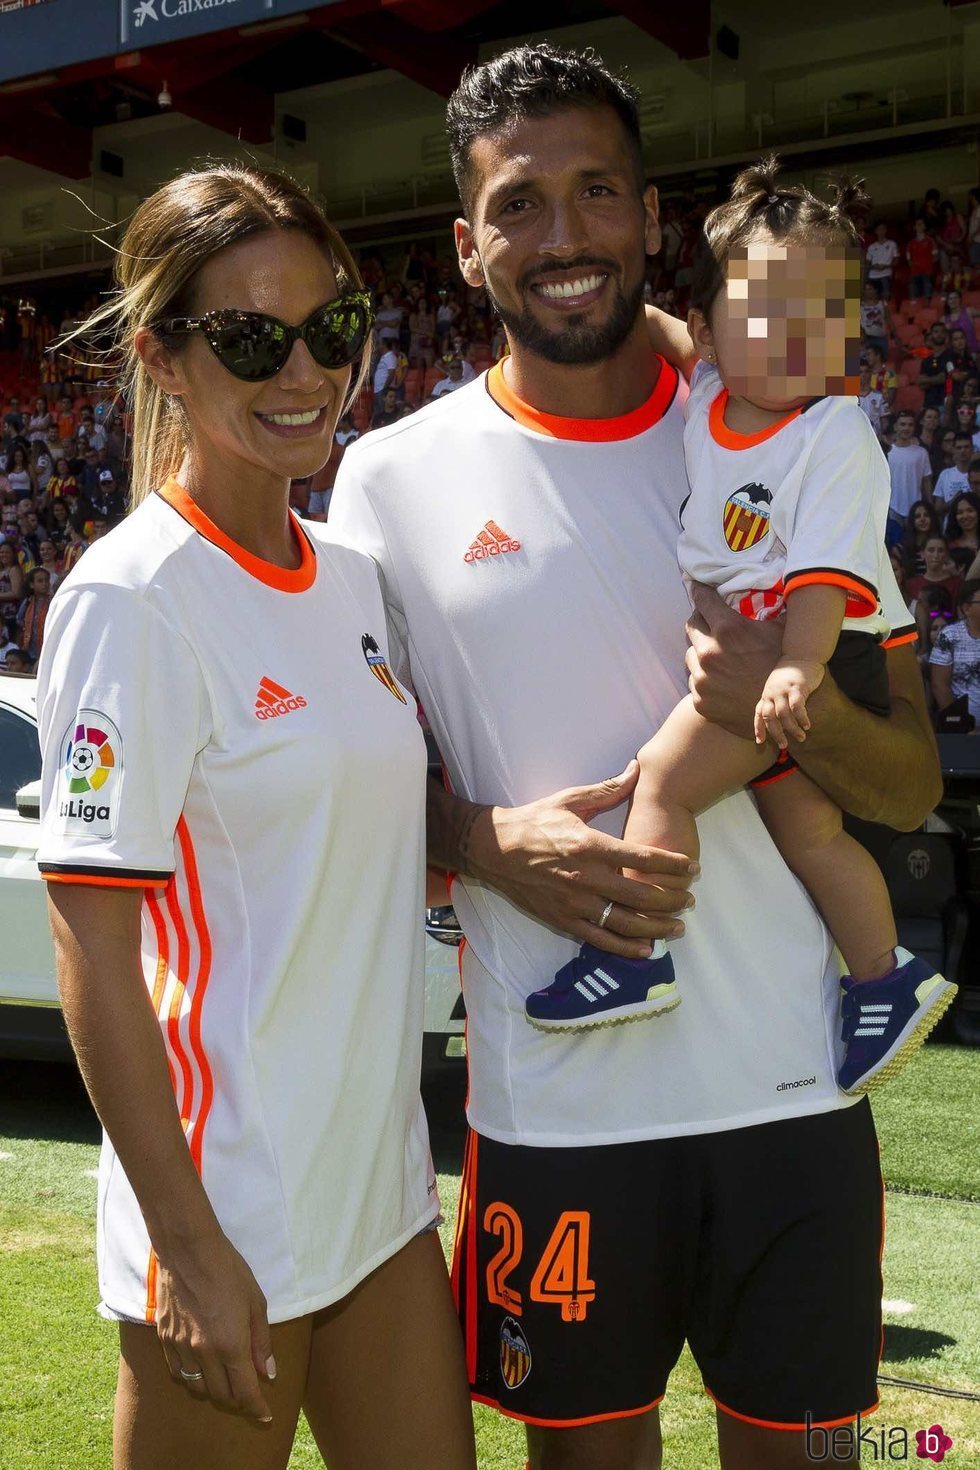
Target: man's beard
{"points": [[574, 342]]}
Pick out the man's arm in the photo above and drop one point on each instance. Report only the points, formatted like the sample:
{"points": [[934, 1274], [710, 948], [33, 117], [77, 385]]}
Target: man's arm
{"points": [[545, 858], [941, 682], [881, 769]]}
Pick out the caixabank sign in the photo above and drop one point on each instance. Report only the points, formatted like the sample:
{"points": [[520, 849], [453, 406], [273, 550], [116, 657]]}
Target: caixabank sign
{"points": [[41, 37]]}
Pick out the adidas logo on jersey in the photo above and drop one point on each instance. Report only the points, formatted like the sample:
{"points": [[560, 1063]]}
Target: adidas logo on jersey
{"points": [[273, 700], [492, 541]]}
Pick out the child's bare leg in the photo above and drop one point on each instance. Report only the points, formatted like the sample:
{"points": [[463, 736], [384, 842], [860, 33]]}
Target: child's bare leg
{"points": [[687, 766], [842, 878]]}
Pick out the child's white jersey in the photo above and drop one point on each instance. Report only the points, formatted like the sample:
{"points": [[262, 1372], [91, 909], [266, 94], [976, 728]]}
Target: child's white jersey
{"points": [[227, 737], [804, 501], [530, 573]]}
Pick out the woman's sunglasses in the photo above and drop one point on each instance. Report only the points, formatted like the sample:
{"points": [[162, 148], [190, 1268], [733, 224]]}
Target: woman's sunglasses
{"points": [[254, 346]]}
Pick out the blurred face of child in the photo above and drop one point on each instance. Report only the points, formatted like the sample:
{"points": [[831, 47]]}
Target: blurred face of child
{"points": [[786, 325], [935, 555]]}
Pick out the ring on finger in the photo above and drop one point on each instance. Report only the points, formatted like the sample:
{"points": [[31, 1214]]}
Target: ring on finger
{"points": [[194, 1376], [603, 918]]}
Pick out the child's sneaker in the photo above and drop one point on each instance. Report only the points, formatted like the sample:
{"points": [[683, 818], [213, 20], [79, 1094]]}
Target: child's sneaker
{"points": [[600, 989], [884, 1022]]}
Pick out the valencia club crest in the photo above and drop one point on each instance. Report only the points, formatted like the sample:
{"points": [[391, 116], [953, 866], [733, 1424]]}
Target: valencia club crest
{"points": [[378, 665], [746, 516], [515, 1355]]}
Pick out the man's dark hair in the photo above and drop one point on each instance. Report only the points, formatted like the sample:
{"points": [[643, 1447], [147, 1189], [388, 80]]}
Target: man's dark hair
{"points": [[963, 437], [532, 81], [968, 591]]}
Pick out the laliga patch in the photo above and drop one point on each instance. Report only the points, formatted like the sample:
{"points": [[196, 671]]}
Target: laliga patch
{"points": [[91, 770], [515, 1355], [378, 665], [746, 516]]}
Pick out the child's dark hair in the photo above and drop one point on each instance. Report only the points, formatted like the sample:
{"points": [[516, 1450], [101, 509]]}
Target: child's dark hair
{"points": [[760, 205], [532, 81]]}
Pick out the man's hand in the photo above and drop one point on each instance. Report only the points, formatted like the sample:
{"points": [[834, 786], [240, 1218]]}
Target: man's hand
{"points": [[729, 660], [547, 861], [781, 710]]}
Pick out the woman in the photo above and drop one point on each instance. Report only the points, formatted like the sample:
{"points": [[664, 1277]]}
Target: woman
{"points": [[941, 454], [921, 523], [11, 581], [939, 572], [962, 529], [973, 228], [62, 485], [57, 522], [50, 562], [422, 333], [266, 1200], [20, 473], [41, 422], [74, 544], [960, 317]]}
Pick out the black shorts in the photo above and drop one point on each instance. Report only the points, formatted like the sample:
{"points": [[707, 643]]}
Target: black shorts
{"points": [[580, 1272], [860, 670]]}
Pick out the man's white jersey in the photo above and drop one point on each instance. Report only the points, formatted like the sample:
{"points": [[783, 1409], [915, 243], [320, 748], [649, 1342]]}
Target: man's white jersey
{"points": [[530, 573], [228, 738], [804, 501]]}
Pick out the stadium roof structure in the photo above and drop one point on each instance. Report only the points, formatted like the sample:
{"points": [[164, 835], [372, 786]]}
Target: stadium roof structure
{"points": [[223, 62]]}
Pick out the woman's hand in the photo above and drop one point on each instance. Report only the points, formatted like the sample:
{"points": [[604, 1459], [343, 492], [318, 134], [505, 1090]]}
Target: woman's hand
{"points": [[211, 1320]]}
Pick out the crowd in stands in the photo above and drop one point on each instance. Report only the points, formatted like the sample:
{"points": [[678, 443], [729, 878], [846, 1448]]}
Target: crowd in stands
{"points": [[64, 460]]}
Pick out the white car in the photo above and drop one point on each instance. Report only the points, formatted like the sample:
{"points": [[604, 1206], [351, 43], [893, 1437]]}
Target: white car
{"points": [[30, 1016]]}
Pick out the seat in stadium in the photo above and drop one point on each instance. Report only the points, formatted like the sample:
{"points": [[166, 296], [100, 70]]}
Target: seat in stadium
{"points": [[911, 397], [925, 317], [972, 298], [911, 368]]}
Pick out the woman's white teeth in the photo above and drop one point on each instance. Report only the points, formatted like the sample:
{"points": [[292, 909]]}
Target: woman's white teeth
{"points": [[293, 419], [560, 290]]}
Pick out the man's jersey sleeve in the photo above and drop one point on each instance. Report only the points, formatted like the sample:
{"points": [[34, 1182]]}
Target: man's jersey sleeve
{"points": [[354, 521], [834, 528], [123, 711]]}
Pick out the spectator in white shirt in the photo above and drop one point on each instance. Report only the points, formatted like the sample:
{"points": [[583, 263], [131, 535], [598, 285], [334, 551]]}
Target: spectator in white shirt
{"points": [[452, 380], [956, 479], [911, 474], [881, 256], [872, 401], [384, 372], [955, 659]]}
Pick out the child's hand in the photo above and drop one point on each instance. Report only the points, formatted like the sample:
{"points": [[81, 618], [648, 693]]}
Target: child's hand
{"points": [[781, 710]]}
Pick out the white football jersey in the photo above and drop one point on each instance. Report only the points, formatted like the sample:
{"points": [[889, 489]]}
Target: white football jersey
{"points": [[804, 501], [529, 565], [228, 737]]}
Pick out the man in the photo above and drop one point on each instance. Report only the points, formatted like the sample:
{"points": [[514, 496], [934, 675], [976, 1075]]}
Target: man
{"points": [[453, 378], [883, 378], [108, 501], [954, 480], [936, 371], [13, 419], [910, 471], [617, 1187], [881, 256], [385, 371]]}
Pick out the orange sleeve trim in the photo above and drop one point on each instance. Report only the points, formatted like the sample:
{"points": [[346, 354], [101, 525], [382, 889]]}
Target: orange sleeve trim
{"points": [[730, 438], [900, 638], [587, 431], [862, 599], [282, 579], [796, 1428], [90, 880], [479, 1398]]}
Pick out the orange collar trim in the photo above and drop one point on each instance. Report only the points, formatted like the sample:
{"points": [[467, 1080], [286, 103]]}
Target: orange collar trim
{"points": [[588, 431], [731, 438], [283, 579]]}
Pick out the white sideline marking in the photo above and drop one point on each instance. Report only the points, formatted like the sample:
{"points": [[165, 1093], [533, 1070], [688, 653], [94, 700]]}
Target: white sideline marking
{"points": [[897, 1308], [90, 1173], [7, 1156]]}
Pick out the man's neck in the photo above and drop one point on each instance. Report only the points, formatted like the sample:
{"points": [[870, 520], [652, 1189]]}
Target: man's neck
{"points": [[602, 390]]}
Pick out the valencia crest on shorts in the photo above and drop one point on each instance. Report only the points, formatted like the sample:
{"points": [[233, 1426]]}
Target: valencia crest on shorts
{"points": [[378, 665], [515, 1355], [746, 516]]}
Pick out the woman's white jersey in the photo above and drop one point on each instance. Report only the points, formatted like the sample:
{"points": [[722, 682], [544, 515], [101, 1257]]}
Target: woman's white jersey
{"points": [[227, 737], [530, 574], [803, 501]]}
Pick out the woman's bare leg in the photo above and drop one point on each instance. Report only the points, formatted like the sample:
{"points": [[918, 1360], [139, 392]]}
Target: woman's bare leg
{"points": [[387, 1380], [159, 1426]]}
